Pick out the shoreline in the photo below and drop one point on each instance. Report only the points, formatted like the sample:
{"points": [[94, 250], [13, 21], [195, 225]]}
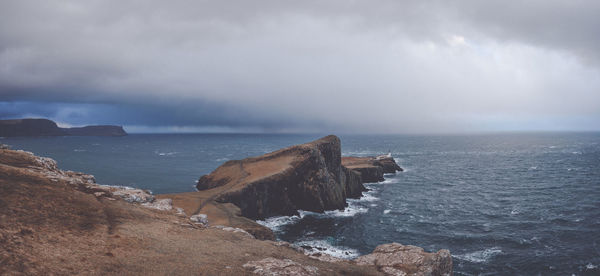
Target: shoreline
{"points": [[29, 179]]}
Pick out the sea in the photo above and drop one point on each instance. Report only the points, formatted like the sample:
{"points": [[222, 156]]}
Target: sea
{"points": [[503, 204]]}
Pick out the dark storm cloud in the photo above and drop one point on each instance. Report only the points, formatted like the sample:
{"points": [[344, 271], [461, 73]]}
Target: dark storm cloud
{"points": [[385, 66]]}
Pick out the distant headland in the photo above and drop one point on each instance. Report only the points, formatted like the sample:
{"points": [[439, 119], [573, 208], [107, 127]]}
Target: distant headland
{"points": [[45, 127]]}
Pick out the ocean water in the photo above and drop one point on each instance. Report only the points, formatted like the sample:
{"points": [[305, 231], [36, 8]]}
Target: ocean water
{"points": [[503, 204]]}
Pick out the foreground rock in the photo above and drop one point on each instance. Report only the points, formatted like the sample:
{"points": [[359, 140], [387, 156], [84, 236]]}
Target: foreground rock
{"points": [[55, 222], [45, 127], [398, 259], [272, 266]]}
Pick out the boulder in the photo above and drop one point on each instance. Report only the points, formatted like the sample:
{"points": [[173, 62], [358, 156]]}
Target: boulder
{"points": [[398, 259], [272, 267], [200, 219]]}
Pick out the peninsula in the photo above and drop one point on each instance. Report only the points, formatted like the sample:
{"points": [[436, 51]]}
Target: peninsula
{"points": [[62, 222], [45, 127]]}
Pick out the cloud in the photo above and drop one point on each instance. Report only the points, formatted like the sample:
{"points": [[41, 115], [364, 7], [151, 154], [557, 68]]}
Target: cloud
{"points": [[352, 66]]}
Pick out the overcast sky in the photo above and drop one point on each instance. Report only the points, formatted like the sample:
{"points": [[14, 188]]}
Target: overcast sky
{"points": [[298, 66]]}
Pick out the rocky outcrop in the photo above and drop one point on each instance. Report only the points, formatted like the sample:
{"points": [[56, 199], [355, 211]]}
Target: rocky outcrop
{"points": [[398, 259], [312, 177], [272, 266], [47, 168], [308, 177], [45, 127], [371, 169]]}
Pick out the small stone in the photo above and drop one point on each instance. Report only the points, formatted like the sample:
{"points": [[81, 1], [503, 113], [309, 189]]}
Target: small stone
{"points": [[200, 219]]}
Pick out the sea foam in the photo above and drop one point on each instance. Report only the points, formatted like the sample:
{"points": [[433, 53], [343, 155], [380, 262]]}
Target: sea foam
{"points": [[480, 256]]}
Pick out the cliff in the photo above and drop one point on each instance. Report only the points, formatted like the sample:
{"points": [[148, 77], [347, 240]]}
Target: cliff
{"points": [[45, 127], [29, 127], [62, 223], [307, 177], [311, 177]]}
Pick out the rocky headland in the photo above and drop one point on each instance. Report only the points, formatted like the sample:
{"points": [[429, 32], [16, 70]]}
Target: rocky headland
{"points": [[62, 222], [45, 127]]}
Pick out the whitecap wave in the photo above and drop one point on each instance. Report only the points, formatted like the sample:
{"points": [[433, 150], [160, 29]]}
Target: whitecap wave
{"points": [[349, 211], [388, 181], [275, 223], [322, 246], [387, 211], [221, 159], [166, 153], [481, 256], [366, 197]]}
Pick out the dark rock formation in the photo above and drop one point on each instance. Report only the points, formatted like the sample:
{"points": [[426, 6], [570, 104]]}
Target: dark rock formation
{"points": [[44, 127], [371, 169], [30, 127], [308, 177]]}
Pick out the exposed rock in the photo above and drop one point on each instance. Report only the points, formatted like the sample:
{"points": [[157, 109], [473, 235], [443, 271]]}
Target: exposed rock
{"points": [[308, 177], [164, 204], [276, 267], [131, 195], [200, 219], [388, 164], [371, 169], [234, 230], [45, 127], [179, 211], [326, 257], [398, 259]]}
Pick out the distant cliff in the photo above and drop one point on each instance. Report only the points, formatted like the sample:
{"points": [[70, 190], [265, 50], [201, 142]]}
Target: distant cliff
{"points": [[45, 127]]}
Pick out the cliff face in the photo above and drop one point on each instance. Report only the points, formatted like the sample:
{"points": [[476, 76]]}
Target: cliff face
{"points": [[44, 127], [312, 177], [308, 177], [29, 127]]}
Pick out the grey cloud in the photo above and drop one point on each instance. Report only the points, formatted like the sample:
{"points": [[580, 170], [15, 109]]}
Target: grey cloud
{"points": [[385, 66]]}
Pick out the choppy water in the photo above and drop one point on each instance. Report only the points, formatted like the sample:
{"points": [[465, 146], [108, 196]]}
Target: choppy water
{"points": [[507, 204]]}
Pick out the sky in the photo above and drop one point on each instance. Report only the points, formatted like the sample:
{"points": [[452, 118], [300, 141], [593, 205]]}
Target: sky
{"points": [[346, 66]]}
